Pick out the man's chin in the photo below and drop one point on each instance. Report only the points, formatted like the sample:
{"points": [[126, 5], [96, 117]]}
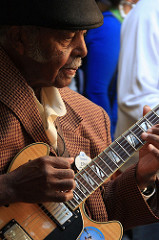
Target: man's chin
{"points": [[60, 83]]}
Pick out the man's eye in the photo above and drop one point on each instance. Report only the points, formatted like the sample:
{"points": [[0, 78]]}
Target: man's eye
{"points": [[69, 38]]}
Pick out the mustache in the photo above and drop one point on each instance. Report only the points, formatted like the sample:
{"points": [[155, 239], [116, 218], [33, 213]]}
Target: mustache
{"points": [[74, 64]]}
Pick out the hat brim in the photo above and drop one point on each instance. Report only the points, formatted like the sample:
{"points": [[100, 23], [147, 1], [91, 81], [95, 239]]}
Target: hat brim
{"points": [[58, 14]]}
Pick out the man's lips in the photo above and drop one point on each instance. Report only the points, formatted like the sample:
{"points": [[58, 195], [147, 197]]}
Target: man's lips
{"points": [[70, 71]]}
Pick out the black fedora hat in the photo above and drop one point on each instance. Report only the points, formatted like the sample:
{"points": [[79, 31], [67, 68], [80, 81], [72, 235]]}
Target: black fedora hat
{"points": [[61, 14]]}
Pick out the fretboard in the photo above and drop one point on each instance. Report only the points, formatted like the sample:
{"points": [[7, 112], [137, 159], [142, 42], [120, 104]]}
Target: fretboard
{"points": [[111, 159]]}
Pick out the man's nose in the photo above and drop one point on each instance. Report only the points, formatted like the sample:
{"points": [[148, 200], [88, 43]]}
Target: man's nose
{"points": [[80, 49]]}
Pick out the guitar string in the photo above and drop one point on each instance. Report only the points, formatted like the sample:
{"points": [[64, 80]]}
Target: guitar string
{"points": [[149, 116], [119, 151], [152, 120], [127, 144], [155, 118]]}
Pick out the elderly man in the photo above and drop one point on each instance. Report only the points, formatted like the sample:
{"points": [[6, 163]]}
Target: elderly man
{"points": [[42, 43]]}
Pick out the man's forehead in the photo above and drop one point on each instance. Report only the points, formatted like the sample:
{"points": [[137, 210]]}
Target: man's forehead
{"points": [[63, 32]]}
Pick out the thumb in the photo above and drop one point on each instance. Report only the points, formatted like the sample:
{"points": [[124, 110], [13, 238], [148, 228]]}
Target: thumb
{"points": [[70, 160], [146, 109]]}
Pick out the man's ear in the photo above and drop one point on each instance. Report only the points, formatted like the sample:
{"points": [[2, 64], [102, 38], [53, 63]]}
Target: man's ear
{"points": [[14, 36]]}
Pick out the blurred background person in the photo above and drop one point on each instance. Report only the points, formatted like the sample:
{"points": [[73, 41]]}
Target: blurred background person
{"points": [[138, 78], [100, 65], [98, 77], [125, 6]]}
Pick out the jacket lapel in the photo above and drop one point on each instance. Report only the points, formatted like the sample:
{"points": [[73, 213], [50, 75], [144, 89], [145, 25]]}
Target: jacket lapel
{"points": [[70, 124]]}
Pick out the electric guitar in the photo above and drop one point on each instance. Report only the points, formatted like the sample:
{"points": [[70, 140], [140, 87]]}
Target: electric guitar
{"points": [[69, 221]]}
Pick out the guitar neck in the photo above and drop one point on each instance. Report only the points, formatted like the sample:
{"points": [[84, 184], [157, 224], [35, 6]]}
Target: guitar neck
{"points": [[111, 159]]}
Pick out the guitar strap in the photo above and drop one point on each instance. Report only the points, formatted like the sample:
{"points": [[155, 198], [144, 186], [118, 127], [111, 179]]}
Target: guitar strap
{"points": [[61, 146]]}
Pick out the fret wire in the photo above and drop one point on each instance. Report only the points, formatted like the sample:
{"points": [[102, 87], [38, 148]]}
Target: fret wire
{"points": [[103, 164], [157, 118], [116, 154], [151, 115], [83, 186], [110, 158], [126, 151], [147, 120], [74, 202], [81, 192], [137, 133], [106, 164], [100, 168], [136, 137], [135, 130], [85, 180], [126, 144], [122, 148], [154, 119], [120, 151], [95, 173], [144, 117], [156, 122], [70, 201], [78, 194], [154, 112], [75, 199], [142, 132], [129, 143], [139, 127], [90, 177]]}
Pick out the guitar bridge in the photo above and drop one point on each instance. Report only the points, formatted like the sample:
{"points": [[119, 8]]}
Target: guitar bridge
{"points": [[13, 230]]}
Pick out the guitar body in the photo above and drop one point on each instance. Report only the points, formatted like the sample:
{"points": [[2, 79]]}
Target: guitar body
{"points": [[23, 221], [111, 230]]}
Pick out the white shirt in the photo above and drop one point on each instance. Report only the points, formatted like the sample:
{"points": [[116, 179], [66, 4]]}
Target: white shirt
{"points": [[51, 107], [138, 77]]}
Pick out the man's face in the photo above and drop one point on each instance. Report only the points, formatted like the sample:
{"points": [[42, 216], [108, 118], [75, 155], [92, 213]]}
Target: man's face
{"points": [[54, 56]]}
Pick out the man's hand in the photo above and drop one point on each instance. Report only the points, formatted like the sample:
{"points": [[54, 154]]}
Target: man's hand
{"points": [[41, 180], [148, 164]]}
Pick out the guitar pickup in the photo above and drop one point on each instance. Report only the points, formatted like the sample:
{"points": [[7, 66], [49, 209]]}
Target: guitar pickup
{"points": [[59, 213], [11, 230]]}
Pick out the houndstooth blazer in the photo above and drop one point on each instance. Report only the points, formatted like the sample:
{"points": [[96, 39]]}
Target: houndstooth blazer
{"points": [[85, 127]]}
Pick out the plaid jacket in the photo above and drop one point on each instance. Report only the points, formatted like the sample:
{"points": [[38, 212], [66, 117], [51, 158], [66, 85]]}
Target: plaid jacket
{"points": [[85, 127]]}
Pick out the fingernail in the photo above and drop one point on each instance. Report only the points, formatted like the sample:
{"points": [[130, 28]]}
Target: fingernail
{"points": [[144, 135]]}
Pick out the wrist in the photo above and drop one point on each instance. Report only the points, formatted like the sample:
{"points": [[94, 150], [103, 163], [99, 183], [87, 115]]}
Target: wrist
{"points": [[6, 192]]}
